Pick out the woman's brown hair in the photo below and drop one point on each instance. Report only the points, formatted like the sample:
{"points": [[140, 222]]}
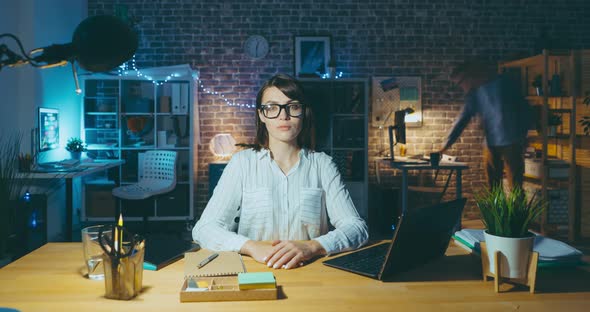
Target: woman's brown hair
{"points": [[293, 90]]}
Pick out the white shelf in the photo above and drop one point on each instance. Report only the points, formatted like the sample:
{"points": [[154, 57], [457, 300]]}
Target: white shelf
{"points": [[115, 91]]}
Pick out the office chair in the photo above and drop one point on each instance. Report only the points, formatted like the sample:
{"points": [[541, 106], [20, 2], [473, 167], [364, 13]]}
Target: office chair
{"points": [[156, 175]]}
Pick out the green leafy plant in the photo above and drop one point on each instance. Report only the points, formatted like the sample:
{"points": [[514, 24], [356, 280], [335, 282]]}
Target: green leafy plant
{"points": [[508, 215], [75, 145]]}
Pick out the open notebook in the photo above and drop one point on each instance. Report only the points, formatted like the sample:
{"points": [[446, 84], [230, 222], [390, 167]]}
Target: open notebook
{"points": [[227, 263]]}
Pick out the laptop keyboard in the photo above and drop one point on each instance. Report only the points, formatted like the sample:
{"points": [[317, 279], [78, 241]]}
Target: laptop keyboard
{"points": [[367, 261]]}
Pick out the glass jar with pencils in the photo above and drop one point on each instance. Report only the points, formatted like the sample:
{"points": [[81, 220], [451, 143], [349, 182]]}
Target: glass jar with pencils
{"points": [[123, 262]]}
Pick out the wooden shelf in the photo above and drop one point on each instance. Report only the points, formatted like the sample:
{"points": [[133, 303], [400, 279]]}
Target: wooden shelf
{"points": [[532, 60], [560, 110], [545, 65]]}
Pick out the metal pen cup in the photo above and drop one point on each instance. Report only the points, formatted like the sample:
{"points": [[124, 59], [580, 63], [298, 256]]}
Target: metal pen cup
{"points": [[123, 264]]}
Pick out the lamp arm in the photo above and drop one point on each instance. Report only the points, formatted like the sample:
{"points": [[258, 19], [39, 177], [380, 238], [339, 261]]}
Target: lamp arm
{"points": [[386, 119], [13, 58], [390, 130]]}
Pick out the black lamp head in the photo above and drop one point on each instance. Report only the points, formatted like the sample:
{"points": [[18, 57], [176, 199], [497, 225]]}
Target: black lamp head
{"points": [[408, 110], [103, 42], [100, 43]]}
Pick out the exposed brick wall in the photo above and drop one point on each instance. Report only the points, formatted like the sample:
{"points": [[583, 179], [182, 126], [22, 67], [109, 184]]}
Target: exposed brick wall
{"points": [[369, 38]]}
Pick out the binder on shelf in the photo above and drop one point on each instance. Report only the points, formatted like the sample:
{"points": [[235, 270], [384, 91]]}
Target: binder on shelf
{"points": [[184, 88], [176, 95], [180, 98]]}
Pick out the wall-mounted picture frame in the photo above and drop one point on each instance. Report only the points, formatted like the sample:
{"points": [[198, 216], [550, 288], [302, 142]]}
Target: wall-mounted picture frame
{"points": [[312, 54]]}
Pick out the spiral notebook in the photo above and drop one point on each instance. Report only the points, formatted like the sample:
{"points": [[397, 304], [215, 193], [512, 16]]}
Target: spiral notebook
{"points": [[227, 263]]}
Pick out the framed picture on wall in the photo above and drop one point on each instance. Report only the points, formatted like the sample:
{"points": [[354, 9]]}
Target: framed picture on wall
{"points": [[312, 54]]}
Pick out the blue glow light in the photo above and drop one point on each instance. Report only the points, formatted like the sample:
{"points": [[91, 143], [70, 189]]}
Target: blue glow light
{"points": [[33, 223], [27, 197]]}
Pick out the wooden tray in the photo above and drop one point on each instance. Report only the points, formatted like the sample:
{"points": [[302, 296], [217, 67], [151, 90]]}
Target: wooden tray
{"points": [[224, 288]]}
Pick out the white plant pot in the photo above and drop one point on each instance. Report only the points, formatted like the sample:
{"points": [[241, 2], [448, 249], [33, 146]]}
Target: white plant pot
{"points": [[514, 254]]}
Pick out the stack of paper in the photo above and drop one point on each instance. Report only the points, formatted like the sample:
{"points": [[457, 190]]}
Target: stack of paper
{"points": [[551, 251]]}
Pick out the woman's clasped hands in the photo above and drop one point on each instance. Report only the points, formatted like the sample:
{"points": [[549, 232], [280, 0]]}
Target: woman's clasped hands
{"points": [[287, 254]]}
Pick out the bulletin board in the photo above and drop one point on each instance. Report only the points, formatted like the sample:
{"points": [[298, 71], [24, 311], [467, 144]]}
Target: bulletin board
{"points": [[395, 93]]}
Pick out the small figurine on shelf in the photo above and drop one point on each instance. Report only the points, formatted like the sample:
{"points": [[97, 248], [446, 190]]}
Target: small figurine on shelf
{"points": [[538, 85], [585, 121], [332, 68], [553, 120], [75, 146]]}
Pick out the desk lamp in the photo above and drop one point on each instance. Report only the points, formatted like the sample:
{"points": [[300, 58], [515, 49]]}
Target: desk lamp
{"points": [[400, 128], [99, 43], [222, 145]]}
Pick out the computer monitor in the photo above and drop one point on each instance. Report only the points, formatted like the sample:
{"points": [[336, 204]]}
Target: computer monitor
{"points": [[48, 122]]}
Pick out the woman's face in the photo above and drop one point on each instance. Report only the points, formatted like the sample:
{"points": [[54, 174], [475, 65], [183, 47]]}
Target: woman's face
{"points": [[283, 128]]}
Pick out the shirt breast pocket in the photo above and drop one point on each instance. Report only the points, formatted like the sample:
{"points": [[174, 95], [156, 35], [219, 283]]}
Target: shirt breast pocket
{"points": [[311, 211], [256, 209]]}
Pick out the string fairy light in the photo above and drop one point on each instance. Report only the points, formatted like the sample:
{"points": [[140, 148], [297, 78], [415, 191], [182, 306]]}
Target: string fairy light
{"points": [[125, 68], [327, 76]]}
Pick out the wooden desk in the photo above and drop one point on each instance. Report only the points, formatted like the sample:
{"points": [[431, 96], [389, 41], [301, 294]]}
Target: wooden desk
{"points": [[50, 279], [80, 170]]}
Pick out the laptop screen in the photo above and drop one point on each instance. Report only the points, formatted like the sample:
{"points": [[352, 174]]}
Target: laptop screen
{"points": [[422, 235]]}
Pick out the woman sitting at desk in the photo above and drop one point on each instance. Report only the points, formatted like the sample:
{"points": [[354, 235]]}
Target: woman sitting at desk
{"points": [[273, 201]]}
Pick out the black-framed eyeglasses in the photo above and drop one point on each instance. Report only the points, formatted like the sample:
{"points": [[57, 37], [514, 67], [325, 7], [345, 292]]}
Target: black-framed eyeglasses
{"points": [[293, 109]]}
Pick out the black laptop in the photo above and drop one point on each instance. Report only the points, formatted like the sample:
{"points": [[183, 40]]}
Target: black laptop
{"points": [[421, 235], [161, 251]]}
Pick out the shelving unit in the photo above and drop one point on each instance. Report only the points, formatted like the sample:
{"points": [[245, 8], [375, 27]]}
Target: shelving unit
{"points": [[554, 171], [124, 116], [341, 120]]}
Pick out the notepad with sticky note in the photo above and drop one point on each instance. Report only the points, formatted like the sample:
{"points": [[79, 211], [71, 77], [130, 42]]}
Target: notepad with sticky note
{"points": [[218, 279], [256, 280]]}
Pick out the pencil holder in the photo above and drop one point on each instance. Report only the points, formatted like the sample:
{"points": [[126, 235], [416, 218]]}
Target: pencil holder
{"points": [[123, 263]]}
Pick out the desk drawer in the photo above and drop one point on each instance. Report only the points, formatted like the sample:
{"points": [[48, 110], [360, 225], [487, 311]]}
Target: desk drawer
{"points": [[100, 202]]}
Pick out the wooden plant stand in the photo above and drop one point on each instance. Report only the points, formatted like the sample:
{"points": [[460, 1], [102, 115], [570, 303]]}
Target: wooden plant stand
{"points": [[529, 280]]}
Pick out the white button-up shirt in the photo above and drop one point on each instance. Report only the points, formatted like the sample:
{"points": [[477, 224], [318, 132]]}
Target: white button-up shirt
{"points": [[255, 200]]}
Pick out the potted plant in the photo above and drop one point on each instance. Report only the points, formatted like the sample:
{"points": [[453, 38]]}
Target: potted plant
{"points": [[75, 146], [507, 217], [538, 84]]}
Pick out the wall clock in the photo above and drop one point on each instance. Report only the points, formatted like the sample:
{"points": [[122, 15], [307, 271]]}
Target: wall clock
{"points": [[256, 47]]}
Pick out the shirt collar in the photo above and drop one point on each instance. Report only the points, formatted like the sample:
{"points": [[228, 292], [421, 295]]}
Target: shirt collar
{"points": [[264, 152]]}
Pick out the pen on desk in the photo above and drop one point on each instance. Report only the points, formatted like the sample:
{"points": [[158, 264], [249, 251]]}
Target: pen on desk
{"points": [[207, 260]]}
